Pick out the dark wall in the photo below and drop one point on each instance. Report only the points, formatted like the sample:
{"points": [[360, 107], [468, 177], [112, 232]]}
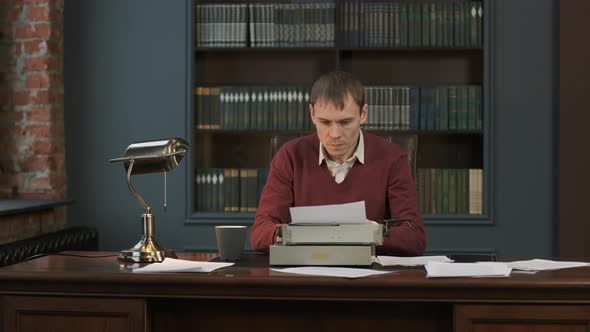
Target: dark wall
{"points": [[126, 70], [127, 64]]}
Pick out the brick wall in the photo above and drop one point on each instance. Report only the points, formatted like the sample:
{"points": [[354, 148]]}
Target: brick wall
{"points": [[32, 151]]}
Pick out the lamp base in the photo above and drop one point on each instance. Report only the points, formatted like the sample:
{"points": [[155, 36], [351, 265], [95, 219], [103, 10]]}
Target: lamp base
{"points": [[147, 250], [144, 256]]}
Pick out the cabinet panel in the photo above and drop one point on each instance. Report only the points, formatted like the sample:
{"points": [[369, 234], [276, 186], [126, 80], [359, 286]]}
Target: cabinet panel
{"points": [[30, 313], [516, 318]]}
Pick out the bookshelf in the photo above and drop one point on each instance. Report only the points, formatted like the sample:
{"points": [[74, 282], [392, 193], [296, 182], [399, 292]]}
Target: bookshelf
{"points": [[254, 62]]}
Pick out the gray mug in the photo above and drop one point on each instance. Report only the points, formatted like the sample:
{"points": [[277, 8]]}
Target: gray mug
{"points": [[230, 241]]}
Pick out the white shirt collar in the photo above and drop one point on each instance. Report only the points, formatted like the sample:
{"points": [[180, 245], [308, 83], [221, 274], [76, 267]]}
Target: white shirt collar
{"points": [[359, 153]]}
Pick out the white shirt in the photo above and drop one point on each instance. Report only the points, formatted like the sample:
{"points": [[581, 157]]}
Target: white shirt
{"points": [[339, 171]]}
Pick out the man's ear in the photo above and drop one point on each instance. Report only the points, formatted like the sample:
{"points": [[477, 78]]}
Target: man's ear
{"points": [[364, 112]]}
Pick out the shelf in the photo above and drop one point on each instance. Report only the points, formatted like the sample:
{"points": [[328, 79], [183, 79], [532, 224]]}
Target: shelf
{"points": [[412, 50], [374, 67], [303, 132], [262, 49], [335, 49], [247, 218], [287, 67]]}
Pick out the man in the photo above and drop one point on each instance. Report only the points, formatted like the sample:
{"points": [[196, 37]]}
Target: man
{"points": [[341, 164]]}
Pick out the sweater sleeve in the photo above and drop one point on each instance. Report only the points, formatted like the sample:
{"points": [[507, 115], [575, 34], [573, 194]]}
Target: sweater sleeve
{"points": [[275, 201], [407, 239]]}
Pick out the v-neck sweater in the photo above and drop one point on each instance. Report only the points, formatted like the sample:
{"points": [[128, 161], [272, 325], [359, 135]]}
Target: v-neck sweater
{"points": [[384, 182]]}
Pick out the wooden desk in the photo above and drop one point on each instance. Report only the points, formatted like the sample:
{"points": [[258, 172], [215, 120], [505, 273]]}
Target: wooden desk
{"points": [[59, 293]]}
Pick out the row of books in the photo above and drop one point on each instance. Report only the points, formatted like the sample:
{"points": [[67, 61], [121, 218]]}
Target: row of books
{"points": [[390, 108], [450, 191], [403, 24], [253, 108], [445, 108], [396, 24], [265, 25], [440, 190], [229, 189]]}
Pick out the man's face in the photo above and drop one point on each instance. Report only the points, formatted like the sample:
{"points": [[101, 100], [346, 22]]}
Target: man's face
{"points": [[338, 130]]}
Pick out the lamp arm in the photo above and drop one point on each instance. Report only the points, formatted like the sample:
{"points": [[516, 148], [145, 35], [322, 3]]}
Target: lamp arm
{"points": [[135, 194], [164, 155]]}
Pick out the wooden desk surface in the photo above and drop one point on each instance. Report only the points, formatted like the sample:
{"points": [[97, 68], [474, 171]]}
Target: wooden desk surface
{"points": [[62, 293], [106, 277]]}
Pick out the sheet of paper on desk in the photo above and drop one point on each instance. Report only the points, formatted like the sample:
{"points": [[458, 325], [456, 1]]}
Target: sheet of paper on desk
{"points": [[328, 271], [350, 213], [180, 265], [410, 261], [481, 269], [544, 265]]}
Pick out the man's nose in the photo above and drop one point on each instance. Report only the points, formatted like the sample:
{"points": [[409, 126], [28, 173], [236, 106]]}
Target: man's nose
{"points": [[335, 131]]}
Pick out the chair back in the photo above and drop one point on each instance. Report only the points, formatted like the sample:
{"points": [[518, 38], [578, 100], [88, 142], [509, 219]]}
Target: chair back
{"points": [[277, 141], [407, 141]]}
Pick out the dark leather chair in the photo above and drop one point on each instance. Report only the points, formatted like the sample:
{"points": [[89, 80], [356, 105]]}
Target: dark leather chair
{"points": [[407, 141]]}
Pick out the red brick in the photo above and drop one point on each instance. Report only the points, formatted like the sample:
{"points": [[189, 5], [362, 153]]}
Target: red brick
{"points": [[43, 30], [40, 147], [26, 31], [35, 163], [23, 31], [21, 98], [37, 81], [38, 13], [54, 47], [58, 183], [57, 161], [42, 98], [37, 63], [41, 130], [40, 114], [32, 46]]}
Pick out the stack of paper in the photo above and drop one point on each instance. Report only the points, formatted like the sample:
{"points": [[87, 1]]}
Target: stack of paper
{"points": [[349, 213], [544, 265], [482, 269], [179, 265], [410, 261], [332, 271]]}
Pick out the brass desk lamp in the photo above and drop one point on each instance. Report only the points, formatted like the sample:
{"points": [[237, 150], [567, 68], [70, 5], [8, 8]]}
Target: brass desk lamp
{"points": [[150, 157]]}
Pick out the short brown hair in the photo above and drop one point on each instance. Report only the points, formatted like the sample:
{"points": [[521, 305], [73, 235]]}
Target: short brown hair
{"points": [[335, 87]]}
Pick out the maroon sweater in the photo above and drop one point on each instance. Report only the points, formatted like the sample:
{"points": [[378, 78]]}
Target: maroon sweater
{"points": [[384, 182]]}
